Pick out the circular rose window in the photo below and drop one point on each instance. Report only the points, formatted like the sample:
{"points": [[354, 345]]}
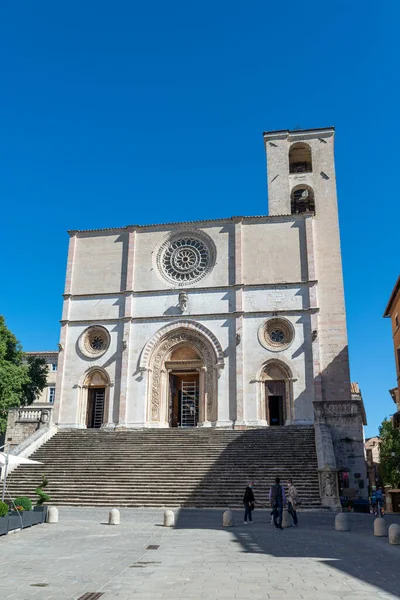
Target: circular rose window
{"points": [[185, 259], [94, 341], [276, 334]]}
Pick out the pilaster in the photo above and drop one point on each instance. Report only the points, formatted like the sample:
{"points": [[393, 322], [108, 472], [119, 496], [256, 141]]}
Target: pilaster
{"points": [[239, 321], [126, 341], [313, 304]]}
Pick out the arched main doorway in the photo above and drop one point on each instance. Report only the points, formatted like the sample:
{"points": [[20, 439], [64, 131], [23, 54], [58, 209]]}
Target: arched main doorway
{"points": [[182, 361], [184, 366], [94, 399], [276, 393]]}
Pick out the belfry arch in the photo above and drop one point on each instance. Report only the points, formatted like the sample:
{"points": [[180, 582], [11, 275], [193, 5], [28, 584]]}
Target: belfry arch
{"points": [[182, 363]]}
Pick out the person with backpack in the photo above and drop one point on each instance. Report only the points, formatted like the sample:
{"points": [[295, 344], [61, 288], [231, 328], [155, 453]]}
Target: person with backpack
{"points": [[293, 502], [278, 501], [248, 503]]}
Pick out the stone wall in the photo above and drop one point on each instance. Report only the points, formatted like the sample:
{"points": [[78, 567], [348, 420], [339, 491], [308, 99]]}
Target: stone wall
{"points": [[345, 423], [23, 422]]}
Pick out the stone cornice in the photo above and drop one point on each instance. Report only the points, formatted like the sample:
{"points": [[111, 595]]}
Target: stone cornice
{"points": [[295, 134], [209, 316], [191, 290], [202, 223]]}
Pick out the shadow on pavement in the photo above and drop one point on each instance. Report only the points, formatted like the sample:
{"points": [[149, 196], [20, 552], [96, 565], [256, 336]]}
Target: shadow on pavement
{"points": [[357, 553]]}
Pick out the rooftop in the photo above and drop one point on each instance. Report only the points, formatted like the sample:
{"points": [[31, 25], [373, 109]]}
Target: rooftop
{"points": [[392, 298], [41, 352], [199, 222], [298, 131]]}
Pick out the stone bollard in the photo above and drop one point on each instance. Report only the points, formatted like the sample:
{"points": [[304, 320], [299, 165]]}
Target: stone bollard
{"points": [[380, 527], [52, 514], [342, 522], [394, 534], [286, 519], [227, 519], [114, 517], [169, 518]]}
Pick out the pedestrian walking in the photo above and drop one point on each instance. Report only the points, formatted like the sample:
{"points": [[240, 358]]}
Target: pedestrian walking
{"points": [[278, 501], [379, 501], [374, 502], [248, 503], [293, 502]]}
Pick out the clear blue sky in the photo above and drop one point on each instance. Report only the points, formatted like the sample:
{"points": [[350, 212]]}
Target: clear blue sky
{"points": [[127, 112]]}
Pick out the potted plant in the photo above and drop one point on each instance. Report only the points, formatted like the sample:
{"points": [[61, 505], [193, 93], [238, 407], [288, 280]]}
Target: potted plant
{"points": [[3, 518], [42, 497]]}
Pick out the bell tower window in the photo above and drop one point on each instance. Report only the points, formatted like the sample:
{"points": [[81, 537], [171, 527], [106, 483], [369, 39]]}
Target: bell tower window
{"points": [[300, 158], [302, 200]]}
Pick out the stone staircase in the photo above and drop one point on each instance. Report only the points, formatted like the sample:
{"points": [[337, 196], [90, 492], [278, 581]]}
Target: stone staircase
{"points": [[171, 467]]}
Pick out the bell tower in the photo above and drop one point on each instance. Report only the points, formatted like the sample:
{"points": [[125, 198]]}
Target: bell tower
{"points": [[302, 179]]}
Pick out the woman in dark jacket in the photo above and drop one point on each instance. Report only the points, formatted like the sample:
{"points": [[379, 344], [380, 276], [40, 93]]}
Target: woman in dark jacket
{"points": [[248, 502]]}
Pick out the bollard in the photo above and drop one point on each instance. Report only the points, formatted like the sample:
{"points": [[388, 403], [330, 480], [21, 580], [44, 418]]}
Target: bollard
{"points": [[286, 519], [394, 534], [52, 515], [380, 527], [342, 522], [114, 517], [227, 519], [169, 518]]}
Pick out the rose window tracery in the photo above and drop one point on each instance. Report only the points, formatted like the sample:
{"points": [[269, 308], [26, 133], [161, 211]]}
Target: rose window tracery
{"points": [[185, 259], [97, 343]]}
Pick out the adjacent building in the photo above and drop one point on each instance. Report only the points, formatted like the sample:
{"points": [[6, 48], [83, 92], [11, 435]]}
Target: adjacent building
{"points": [[26, 420], [48, 394], [393, 312]]}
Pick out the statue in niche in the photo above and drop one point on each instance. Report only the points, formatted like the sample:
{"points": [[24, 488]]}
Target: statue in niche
{"points": [[183, 301]]}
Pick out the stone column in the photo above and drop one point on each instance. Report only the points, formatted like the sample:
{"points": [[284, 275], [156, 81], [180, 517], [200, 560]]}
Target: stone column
{"points": [[109, 405], [202, 397]]}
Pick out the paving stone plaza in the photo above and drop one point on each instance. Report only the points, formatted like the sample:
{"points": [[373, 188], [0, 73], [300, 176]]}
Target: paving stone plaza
{"points": [[198, 558]]}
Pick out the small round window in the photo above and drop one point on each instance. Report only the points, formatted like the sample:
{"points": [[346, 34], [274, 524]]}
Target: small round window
{"points": [[94, 341], [276, 334]]}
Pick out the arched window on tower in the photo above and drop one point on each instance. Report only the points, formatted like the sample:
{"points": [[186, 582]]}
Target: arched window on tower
{"points": [[302, 200], [300, 158]]}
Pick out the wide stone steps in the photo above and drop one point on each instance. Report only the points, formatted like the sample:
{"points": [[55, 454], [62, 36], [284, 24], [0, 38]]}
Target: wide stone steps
{"points": [[199, 468]]}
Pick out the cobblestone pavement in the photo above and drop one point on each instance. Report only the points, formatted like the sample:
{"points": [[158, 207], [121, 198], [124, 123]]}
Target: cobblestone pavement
{"points": [[198, 559]]}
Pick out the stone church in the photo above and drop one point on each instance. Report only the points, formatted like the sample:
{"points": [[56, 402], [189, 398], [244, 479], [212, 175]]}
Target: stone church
{"points": [[235, 322]]}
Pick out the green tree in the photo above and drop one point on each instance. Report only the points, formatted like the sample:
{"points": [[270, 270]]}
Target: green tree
{"points": [[20, 379], [389, 454], [37, 373]]}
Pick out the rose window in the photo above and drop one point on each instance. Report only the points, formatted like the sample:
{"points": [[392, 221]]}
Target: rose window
{"points": [[185, 259], [94, 341]]}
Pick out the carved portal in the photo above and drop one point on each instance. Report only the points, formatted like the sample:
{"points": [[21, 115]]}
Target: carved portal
{"points": [[158, 393]]}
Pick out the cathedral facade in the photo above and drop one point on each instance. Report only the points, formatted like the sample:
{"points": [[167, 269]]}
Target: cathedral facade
{"points": [[236, 322], [230, 322]]}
